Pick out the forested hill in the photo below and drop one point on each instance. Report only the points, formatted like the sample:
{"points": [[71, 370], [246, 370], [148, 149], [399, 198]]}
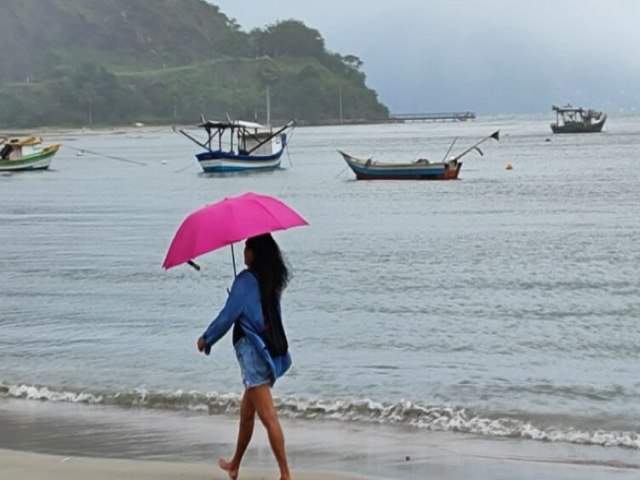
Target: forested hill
{"points": [[122, 34], [79, 62]]}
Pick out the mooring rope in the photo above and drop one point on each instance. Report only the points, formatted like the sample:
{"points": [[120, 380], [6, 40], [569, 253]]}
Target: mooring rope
{"points": [[112, 157]]}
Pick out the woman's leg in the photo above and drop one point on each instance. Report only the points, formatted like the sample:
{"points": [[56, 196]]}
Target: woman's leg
{"points": [[263, 404], [245, 431]]}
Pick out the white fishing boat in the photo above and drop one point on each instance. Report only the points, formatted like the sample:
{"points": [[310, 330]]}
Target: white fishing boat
{"points": [[240, 146]]}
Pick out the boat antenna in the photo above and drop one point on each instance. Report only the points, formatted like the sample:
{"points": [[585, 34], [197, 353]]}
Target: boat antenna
{"points": [[495, 135], [450, 147]]}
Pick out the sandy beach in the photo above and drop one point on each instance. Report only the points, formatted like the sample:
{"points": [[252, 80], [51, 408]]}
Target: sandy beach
{"points": [[19, 465], [23, 465]]}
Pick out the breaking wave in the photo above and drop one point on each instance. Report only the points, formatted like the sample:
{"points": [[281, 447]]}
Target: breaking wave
{"points": [[433, 418]]}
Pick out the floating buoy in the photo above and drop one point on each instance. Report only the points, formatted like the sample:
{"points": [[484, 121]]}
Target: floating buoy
{"points": [[508, 166]]}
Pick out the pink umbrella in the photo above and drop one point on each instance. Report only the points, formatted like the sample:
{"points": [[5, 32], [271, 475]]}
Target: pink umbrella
{"points": [[228, 221]]}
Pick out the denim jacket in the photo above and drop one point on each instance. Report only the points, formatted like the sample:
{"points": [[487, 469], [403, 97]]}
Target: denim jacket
{"points": [[243, 305]]}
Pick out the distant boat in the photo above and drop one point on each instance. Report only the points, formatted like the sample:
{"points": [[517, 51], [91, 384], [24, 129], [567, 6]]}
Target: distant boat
{"points": [[25, 153], [577, 120], [240, 146], [420, 169]]}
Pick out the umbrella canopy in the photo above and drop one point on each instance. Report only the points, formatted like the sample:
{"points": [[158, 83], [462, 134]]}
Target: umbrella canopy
{"points": [[228, 221]]}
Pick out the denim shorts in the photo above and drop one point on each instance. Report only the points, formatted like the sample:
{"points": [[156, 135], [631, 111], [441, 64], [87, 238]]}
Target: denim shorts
{"points": [[255, 370]]}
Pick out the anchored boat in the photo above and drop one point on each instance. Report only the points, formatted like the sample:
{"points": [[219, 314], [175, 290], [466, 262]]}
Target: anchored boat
{"points": [[240, 146], [25, 153], [420, 169], [577, 120]]}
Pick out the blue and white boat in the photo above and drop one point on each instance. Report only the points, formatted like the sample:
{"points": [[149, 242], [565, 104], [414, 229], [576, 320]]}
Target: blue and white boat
{"points": [[420, 169], [240, 146]]}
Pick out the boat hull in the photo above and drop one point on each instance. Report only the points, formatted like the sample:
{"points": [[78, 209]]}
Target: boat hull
{"points": [[35, 161], [366, 170], [227, 162], [579, 127]]}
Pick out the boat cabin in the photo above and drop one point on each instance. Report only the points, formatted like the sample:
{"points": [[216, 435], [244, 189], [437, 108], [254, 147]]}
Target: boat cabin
{"points": [[243, 138], [12, 148], [569, 115], [577, 120]]}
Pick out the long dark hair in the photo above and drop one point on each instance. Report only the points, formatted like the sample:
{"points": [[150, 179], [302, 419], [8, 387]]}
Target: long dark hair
{"points": [[271, 271], [270, 268]]}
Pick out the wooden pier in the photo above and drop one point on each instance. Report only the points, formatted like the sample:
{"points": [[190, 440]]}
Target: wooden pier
{"points": [[433, 117]]}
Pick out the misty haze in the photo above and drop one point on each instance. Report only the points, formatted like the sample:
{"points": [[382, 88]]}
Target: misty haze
{"points": [[491, 56]]}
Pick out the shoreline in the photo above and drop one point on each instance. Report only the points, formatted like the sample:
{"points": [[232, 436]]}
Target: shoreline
{"points": [[66, 441]]}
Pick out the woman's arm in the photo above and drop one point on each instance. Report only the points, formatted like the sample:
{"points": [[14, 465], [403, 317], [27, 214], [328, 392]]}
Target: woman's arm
{"points": [[231, 311]]}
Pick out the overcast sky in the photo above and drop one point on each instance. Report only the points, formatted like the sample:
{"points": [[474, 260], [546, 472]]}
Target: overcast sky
{"points": [[489, 56]]}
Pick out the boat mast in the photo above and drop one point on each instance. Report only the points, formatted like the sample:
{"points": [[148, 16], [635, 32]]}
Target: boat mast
{"points": [[268, 104], [341, 117]]}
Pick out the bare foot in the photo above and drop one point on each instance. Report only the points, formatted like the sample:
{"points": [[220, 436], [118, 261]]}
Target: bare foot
{"points": [[227, 467]]}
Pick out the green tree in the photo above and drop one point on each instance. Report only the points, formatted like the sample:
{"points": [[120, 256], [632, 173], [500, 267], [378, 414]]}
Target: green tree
{"points": [[289, 38], [353, 62]]}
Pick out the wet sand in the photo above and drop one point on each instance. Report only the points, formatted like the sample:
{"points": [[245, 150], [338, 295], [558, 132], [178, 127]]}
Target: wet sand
{"points": [[22, 465], [56, 441]]}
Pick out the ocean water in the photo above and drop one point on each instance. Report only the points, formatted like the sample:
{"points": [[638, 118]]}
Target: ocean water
{"points": [[502, 305]]}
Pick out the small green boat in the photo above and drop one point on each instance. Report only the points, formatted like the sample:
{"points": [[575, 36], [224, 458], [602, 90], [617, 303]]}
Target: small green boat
{"points": [[25, 153]]}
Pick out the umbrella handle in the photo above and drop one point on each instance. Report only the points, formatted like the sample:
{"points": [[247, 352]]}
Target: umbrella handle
{"points": [[233, 259], [194, 265]]}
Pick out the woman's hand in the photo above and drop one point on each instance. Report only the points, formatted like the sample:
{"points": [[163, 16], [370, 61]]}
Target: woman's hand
{"points": [[201, 344]]}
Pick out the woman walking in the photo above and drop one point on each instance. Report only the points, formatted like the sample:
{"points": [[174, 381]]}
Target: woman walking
{"points": [[253, 309]]}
